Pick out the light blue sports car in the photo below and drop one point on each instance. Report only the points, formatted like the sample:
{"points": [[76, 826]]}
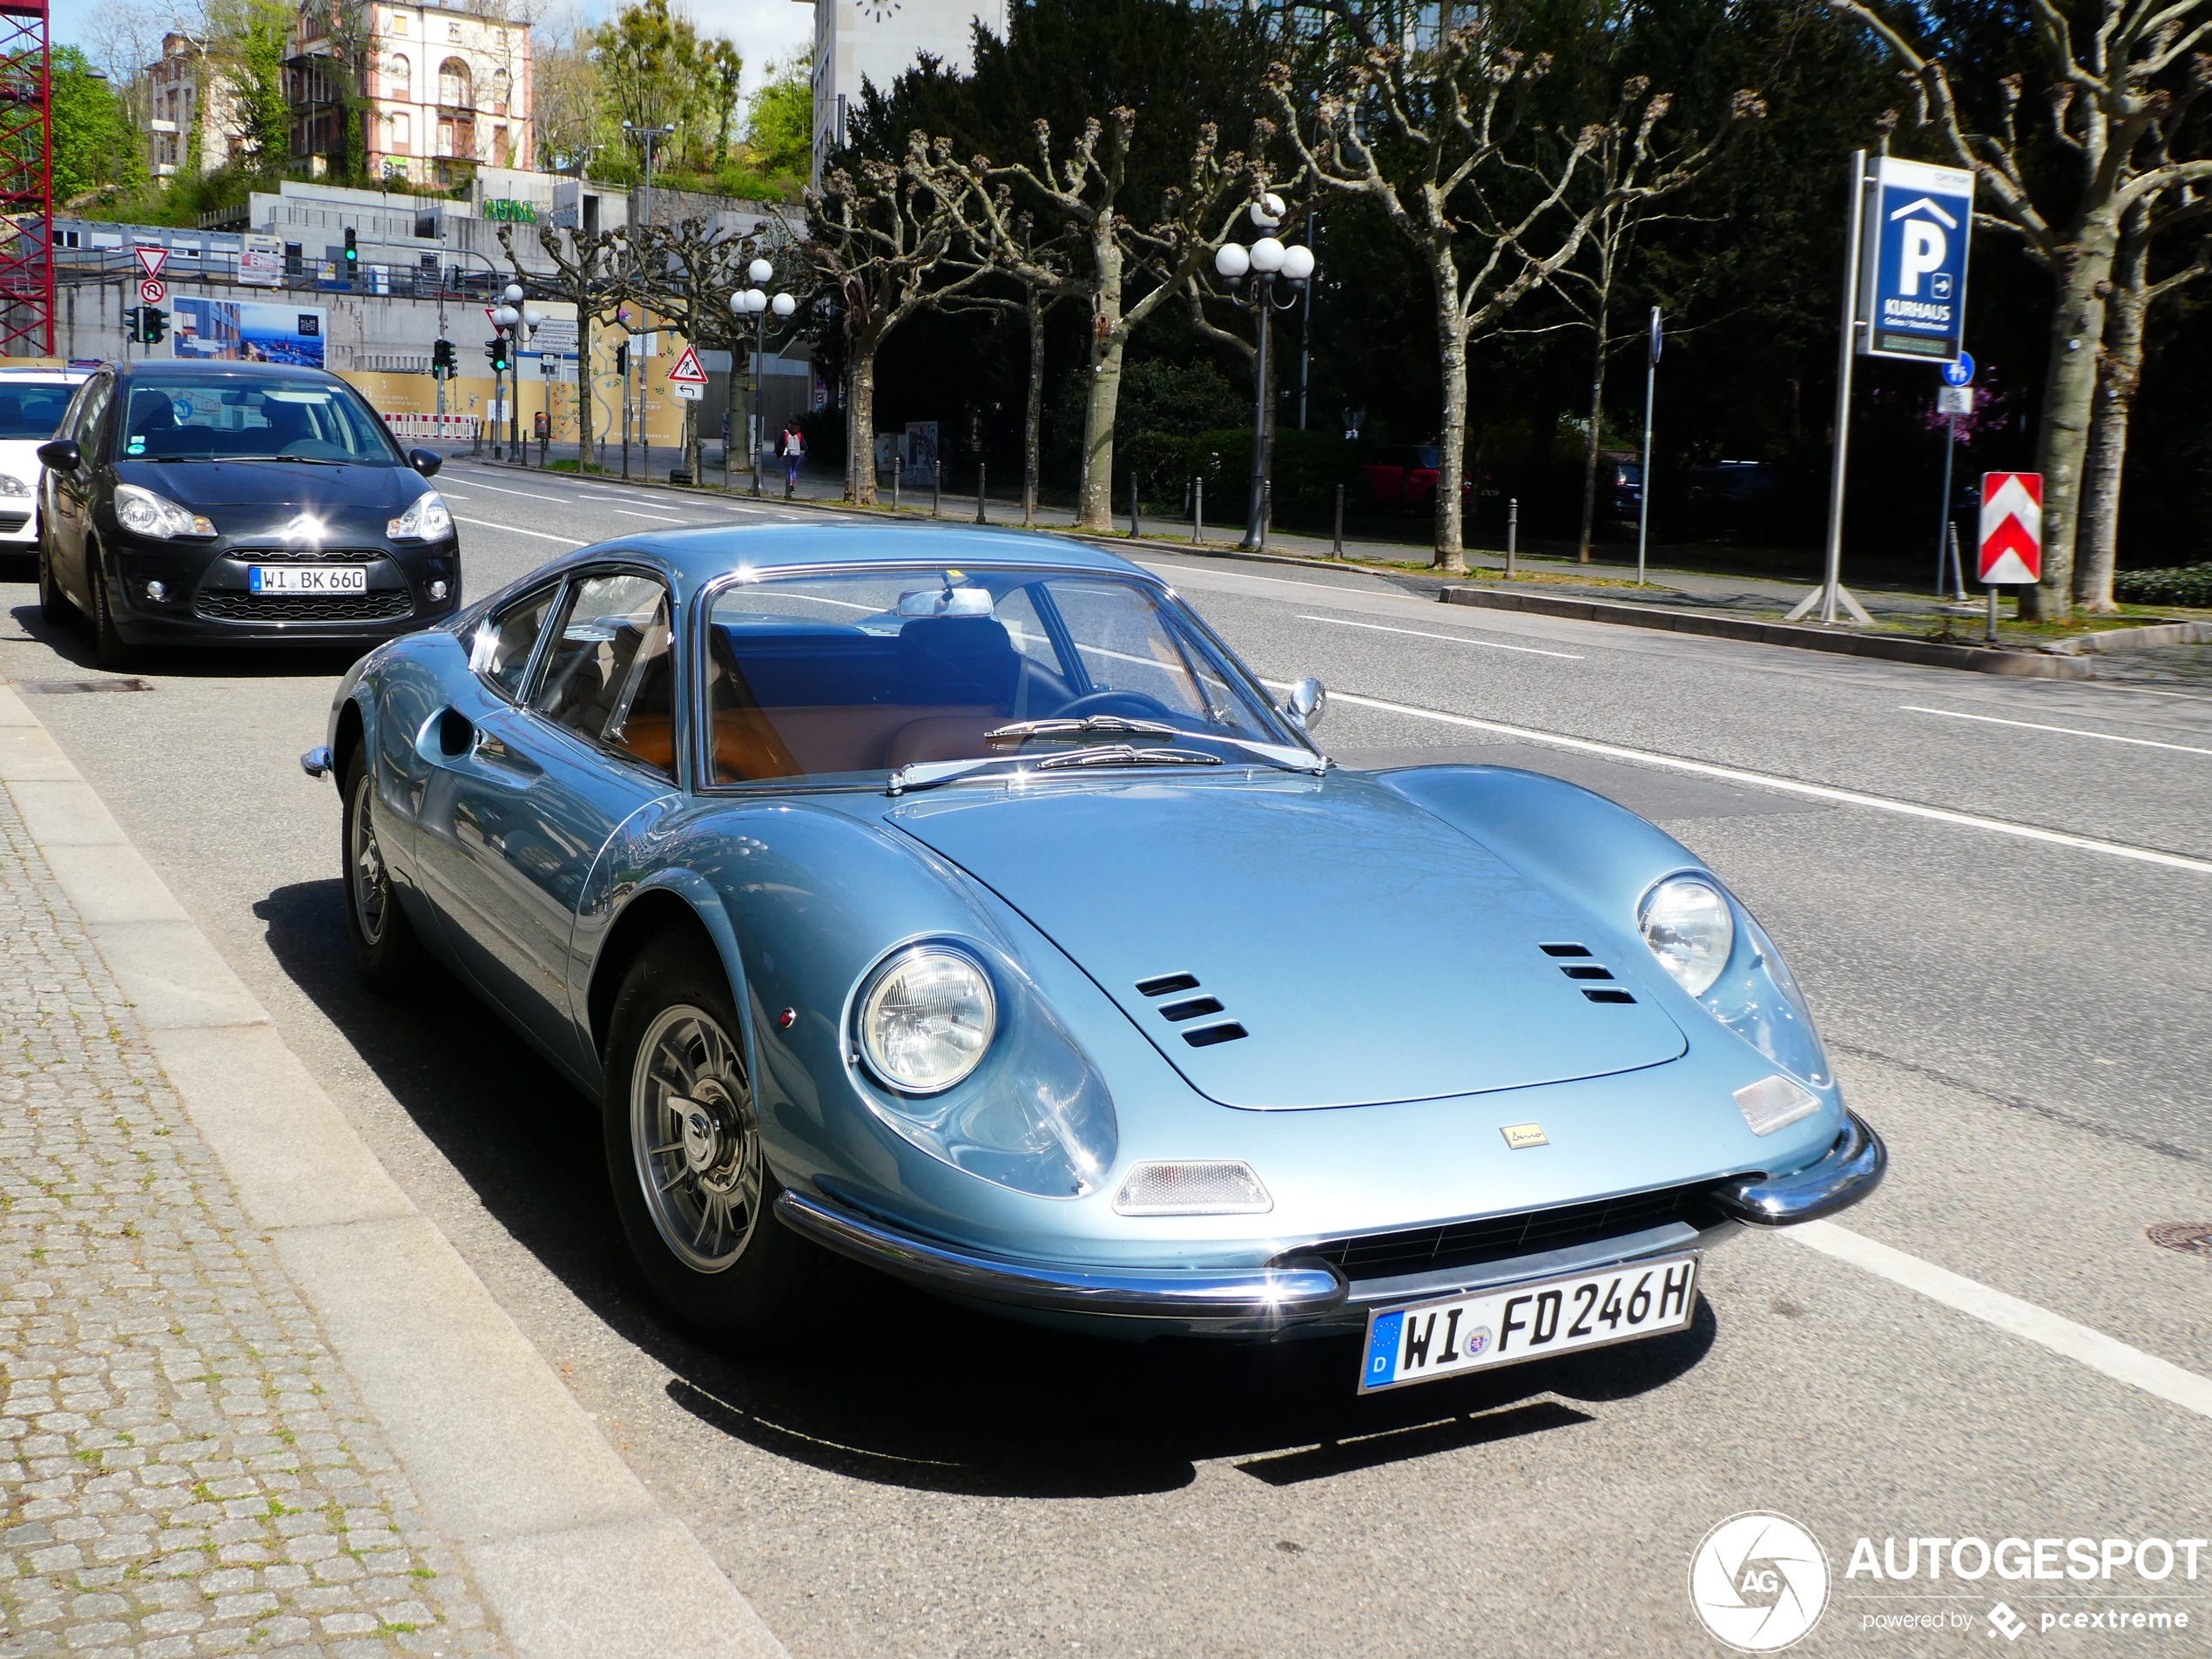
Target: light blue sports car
{"points": [[958, 901]]}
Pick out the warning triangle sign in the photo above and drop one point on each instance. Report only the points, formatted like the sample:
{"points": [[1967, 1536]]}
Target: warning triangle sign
{"points": [[152, 258], [687, 369]]}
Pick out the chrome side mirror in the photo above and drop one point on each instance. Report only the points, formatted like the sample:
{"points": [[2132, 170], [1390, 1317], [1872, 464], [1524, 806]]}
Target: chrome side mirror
{"points": [[1306, 703]]}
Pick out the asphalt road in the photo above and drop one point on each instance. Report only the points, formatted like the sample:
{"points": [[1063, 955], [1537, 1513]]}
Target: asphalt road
{"points": [[2001, 909]]}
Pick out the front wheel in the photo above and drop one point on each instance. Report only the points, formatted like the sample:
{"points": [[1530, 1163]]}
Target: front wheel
{"points": [[110, 649], [691, 1185], [54, 606], [386, 949]]}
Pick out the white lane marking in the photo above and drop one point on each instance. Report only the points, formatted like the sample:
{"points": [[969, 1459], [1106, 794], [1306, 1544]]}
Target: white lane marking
{"points": [[2108, 1355], [535, 495], [2070, 730], [1790, 785], [449, 495], [516, 529], [669, 517], [1456, 639], [1277, 581]]}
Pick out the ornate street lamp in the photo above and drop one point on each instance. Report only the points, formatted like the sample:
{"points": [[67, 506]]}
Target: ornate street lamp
{"points": [[757, 303], [1263, 264]]}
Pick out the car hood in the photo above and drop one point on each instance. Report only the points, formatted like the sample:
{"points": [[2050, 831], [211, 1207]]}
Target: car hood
{"points": [[20, 456], [1370, 952], [238, 494]]}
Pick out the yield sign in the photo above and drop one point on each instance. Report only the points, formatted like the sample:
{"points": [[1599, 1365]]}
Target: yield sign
{"points": [[152, 258], [2011, 527], [687, 369]]}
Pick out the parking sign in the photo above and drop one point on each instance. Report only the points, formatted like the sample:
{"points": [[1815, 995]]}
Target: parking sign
{"points": [[1913, 285]]}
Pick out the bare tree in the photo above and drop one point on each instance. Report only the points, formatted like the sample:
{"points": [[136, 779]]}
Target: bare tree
{"points": [[687, 273], [2119, 373], [1111, 255], [877, 242], [593, 274], [2124, 76], [1037, 266], [1425, 133]]}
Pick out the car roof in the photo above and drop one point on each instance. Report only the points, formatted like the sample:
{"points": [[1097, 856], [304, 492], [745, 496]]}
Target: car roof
{"points": [[158, 369], [695, 557], [46, 376]]}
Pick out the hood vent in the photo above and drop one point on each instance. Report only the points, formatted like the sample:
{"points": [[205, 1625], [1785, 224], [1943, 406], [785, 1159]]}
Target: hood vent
{"points": [[1588, 968], [1190, 1007]]}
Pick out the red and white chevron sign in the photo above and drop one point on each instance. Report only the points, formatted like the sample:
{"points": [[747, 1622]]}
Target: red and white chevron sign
{"points": [[2011, 527]]}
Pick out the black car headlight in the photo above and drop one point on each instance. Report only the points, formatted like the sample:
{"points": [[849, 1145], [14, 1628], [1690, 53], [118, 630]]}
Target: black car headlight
{"points": [[962, 1056], [143, 513]]}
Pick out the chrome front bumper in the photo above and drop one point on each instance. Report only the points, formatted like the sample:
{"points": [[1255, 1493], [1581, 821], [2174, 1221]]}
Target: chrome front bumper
{"points": [[1306, 1291]]}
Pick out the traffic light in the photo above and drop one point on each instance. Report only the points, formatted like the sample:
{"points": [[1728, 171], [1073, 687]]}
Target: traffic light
{"points": [[442, 363], [132, 331], [496, 350], [353, 256], [156, 323], [622, 357]]}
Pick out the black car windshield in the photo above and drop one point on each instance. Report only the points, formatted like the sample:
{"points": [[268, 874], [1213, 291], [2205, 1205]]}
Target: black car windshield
{"points": [[33, 411], [222, 418], [853, 675]]}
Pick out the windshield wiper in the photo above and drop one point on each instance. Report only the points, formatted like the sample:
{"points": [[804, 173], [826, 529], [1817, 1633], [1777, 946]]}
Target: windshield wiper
{"points": [[1276, 754], [927, 774]]}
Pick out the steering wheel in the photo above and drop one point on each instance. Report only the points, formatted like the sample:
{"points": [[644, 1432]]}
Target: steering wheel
{"points": [[1135, 705]]}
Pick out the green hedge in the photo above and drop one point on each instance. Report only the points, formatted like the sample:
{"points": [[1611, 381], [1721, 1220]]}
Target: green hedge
{"points": [[2188, 585], [1308, 467]]}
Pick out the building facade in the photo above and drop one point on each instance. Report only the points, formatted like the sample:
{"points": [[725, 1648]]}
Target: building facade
{"points": [[877, 41], [441, 92], [193, 125]]}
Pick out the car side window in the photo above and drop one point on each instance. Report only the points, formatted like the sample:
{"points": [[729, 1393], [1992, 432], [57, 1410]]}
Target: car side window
{"points": [[89, 416], [505, 641], [610, 676]]}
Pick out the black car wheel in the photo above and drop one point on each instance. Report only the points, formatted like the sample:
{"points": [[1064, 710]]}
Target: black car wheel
{"points": [[109, 649], [54, 605], [386, 949], [692, 1187]]}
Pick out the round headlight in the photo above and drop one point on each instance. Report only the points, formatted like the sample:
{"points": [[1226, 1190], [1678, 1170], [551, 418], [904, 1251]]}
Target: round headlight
{"points": [[1690, 930], [925, 1020]]}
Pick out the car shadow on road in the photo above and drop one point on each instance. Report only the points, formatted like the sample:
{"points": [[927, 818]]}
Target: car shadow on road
{"points": [[73, 643], [888, 1385]]}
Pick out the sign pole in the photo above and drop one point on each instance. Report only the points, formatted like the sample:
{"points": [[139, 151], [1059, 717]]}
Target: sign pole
{"points": [[1943, 520], [1643, 491], [1831, 587]]}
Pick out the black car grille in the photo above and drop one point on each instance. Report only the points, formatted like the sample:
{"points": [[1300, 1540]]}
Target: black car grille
{"points": [[1471, 1244], [11, 522], [307, 555], [231, 605]]}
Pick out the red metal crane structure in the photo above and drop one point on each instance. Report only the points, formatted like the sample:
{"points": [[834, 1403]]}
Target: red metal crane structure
{"points": [[26, 181]]}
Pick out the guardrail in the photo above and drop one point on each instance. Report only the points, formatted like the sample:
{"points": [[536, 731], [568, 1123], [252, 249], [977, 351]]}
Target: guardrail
{"points": [[438, 429], [77, 266]]}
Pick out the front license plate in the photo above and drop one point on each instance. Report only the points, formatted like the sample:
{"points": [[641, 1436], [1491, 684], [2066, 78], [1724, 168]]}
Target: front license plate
{"points": [[308, 578], [1432, 1340]]}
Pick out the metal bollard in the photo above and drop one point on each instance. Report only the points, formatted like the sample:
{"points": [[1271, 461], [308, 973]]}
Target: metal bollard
{"points": [[983, 472], [898, 477], [1197, 512], [1135, 528], [1029, 500], [1337, 551], [1267, 510], [1512, 533], [937, 491]]}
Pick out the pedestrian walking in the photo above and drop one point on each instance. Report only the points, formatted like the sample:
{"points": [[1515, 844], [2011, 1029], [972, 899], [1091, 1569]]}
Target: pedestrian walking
{"points": [[792, 449]]}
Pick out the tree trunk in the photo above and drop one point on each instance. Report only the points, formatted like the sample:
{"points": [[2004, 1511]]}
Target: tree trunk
{"points": [[1597, 420], [1033, 417], [859, 429], [1094, 510], [2070, 386], [2120, 373], [585, 451], [1452, 350]]}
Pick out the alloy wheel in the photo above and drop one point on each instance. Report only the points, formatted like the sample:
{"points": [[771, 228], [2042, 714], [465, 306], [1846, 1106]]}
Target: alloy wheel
{"points": [[694, 1139], [365, 868]]}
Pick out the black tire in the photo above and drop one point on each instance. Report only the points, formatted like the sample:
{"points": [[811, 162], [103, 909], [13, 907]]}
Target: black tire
{"points": [[386, 949], [110, 649], [691, 1186], [54, 605]]}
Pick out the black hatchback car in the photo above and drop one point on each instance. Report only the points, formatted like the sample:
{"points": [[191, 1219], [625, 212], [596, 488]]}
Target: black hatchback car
{"points": [[197, 502]]}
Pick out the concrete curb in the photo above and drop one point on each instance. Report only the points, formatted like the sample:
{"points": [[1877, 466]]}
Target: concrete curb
{"points": [[2157, 633], [574, 1556], [1927, 652]]}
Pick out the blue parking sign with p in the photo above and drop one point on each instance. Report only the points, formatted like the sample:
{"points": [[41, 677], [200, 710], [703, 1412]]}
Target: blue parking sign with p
{"points": [[1913, 287]]}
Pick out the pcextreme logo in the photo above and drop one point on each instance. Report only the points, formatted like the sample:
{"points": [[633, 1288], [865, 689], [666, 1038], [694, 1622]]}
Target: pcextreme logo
{"points": [[1758, 1582]]}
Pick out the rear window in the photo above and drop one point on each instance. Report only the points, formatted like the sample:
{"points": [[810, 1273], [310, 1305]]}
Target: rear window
{"points": [[33, 411], [220, 419]]}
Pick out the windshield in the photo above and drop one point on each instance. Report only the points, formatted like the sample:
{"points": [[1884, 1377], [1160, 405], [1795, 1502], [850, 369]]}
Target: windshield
{"points": [[852, 676], [33, 411], [220, 419]]}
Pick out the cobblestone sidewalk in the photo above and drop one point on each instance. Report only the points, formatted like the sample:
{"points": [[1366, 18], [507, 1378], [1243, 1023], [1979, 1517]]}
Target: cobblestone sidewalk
{"points": [[184, 1468]]}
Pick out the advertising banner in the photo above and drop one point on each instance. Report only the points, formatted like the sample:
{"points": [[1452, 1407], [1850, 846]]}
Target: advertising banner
{"points": [[244, 331], [1914, 289], [260, 262]]}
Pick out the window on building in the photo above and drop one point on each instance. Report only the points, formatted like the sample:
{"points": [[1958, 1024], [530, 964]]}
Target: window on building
{"points": [[402, 135], [399, 23], [400, 75], [454, 90], [499, 85], [499, 147], [452, 31], [445, 137]]}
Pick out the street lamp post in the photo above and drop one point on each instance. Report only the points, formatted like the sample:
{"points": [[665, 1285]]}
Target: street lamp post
{"points": [[505, 317], [509, 318], [653, 136], [1264, 263], [756, 303]]}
